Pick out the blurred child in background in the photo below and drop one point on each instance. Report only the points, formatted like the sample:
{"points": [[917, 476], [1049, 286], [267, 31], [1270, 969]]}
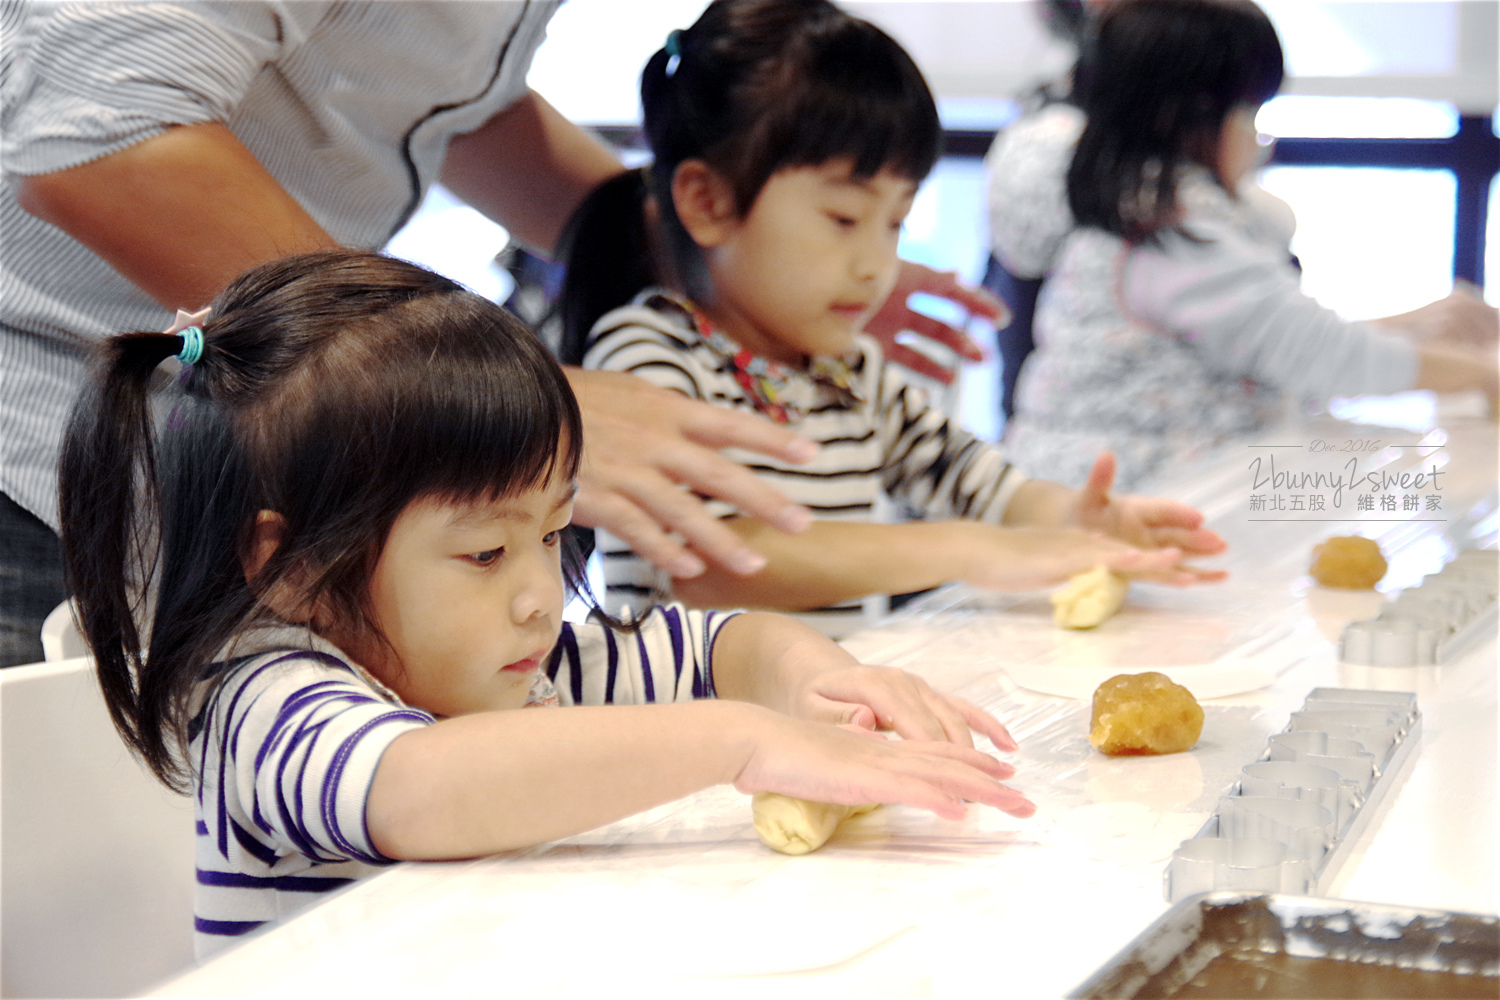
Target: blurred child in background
{"points": [[789, 139], [1172, 319]]}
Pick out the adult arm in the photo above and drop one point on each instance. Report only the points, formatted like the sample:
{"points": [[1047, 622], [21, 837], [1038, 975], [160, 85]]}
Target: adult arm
{"points": [[528, 168], [180, 214], [184, 212]]}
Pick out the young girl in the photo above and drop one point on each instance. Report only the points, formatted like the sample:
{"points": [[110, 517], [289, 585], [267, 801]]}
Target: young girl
{"points": [[1172, 319], [316, 593], [789, 139]]}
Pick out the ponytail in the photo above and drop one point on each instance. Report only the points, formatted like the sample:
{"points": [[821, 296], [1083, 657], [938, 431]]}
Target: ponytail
{"points": [[608, 256], [109, 506]]}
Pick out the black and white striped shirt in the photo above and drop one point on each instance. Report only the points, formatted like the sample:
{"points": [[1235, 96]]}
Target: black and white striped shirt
{"points": [[882, 438], [349, 104], [285, 745]]}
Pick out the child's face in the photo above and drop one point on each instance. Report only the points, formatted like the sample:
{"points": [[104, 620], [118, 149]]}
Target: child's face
{"points": [[811, 262], [1239, 146], [471, 599]]}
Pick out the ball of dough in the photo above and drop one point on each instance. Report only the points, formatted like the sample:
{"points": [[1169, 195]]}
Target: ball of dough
{"points": [[797, 826], [1348, 561], [1136, 714], [1089, 598]]}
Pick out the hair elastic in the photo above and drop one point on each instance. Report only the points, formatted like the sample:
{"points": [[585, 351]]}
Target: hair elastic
{"points": [[192, 344], [186, 325], [673, 49]]}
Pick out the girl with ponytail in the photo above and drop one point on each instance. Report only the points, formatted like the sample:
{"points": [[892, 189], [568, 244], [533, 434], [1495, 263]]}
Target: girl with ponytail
{"points": [[321, 566], [1173, 319], [789, 139]]}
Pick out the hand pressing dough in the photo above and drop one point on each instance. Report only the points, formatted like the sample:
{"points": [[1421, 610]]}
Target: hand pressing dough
{"points": [[1089, 598], [797, 826]]}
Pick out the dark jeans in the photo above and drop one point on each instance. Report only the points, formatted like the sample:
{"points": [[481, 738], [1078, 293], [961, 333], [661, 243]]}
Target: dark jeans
{"points": [[1015, 340], [31, 582]]}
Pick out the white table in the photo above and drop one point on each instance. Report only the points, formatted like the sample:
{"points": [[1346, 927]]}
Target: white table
{"points": [[683, 900]]}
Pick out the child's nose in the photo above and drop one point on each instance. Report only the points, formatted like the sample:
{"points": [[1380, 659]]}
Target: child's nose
{"points": [[539, 595], [872, 258]]}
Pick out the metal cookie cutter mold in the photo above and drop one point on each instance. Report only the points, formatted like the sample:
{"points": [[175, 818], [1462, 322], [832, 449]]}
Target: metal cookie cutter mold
{"points": [[1434, 622], [1288, 823]]}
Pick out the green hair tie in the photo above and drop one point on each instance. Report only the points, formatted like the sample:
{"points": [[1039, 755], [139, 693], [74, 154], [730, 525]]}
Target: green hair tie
{"points": [[674, 43], [192, 344]]}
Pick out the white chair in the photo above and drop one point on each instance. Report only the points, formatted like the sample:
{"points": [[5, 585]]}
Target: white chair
{"points": [[60, 637], [96, 856]]}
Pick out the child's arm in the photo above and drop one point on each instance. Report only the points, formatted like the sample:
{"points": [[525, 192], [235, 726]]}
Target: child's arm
{"points": [[494, 781], [837, 561], [1144, 521], [779, 662], [931, 464]]}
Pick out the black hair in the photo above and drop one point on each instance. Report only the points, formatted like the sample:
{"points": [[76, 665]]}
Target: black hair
{"points": [[753, 87], [334, 388], [1157, 79]]}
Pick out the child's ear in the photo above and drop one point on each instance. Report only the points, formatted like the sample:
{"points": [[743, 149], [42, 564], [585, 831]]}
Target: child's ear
{"points": [[705, 203], [285, 597]]}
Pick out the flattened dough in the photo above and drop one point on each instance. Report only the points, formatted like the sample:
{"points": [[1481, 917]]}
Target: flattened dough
{"points": [[1089, 598], [797, 826]]}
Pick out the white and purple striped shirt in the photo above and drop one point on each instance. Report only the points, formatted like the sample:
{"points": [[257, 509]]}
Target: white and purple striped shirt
{"points": [[288, 735]]}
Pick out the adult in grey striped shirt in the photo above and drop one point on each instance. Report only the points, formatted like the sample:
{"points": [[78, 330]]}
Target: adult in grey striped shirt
{"points": [[153, 151]]}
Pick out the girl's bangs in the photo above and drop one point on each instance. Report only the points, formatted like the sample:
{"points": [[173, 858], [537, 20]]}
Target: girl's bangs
{"points": [[855, 95], [448, 396], [486, 420], [896, 131]]}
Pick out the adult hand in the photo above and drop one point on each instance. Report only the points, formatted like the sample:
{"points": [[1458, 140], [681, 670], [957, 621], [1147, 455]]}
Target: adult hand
{"points": [[642, 444], [896, 316], [1147, 522]]}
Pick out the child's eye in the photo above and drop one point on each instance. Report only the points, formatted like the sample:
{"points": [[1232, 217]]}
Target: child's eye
{"points": [[487, 557], [552, 538], [842, 221]]}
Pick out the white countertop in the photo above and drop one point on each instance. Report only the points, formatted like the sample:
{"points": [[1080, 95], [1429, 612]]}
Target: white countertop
{"points": [[683, 900]]}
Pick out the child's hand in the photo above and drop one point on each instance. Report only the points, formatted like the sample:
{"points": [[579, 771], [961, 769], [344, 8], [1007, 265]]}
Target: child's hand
{"points": [[888, 698], [792, 668], [1462, 318], [1146, 522], [834, 764], [1027, 558]]}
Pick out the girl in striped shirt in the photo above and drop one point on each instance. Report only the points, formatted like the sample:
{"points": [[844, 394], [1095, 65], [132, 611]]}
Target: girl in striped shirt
{"points": [[320, 568], [789, 139]]}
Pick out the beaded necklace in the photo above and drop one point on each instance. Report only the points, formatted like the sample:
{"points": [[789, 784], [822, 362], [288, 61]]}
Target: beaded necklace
{"points": [[771, 385]]}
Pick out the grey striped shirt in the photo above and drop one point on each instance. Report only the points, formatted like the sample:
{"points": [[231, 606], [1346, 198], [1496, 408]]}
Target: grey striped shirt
{"points": [[886, 439], [287, 739], [349, 104]]}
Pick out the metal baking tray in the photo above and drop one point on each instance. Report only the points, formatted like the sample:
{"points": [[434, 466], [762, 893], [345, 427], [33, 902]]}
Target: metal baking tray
{"points": [[1238, 944]]}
